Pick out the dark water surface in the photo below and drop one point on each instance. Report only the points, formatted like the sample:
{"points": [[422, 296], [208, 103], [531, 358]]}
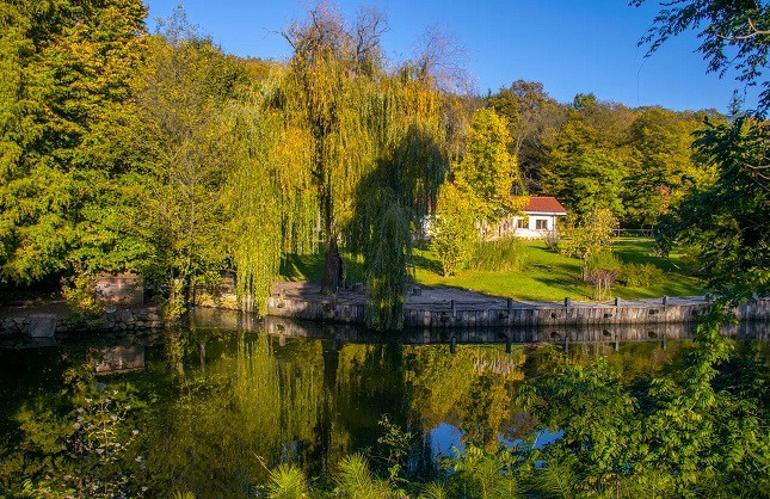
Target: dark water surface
{"points": [[225, 398]]}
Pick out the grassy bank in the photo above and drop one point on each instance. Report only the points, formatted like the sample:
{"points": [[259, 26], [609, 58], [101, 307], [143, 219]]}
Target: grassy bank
{"points": [[546, 275]]}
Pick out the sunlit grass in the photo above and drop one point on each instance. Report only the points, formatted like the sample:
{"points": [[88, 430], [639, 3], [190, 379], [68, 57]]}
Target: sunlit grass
{"points": [[546, 275]]}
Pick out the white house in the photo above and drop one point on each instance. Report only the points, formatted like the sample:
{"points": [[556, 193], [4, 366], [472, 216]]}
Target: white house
{"points": [[539, 219]]}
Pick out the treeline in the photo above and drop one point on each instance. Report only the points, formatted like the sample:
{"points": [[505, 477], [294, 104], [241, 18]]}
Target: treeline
{"points": [[638, 162], [122, 150]]}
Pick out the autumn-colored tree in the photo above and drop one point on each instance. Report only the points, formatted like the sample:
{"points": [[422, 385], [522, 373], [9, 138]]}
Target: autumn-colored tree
{"points": [[487, 168], [453, 229], [663, 166], [330, 67], [181, 92], [532, 115]]}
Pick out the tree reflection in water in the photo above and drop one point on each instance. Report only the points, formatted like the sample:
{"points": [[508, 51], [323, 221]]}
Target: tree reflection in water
{"points": [[223, 406]]}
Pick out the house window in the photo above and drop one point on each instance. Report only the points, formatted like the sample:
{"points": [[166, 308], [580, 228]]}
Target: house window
{"points": [[541, 224], [521, 223]]}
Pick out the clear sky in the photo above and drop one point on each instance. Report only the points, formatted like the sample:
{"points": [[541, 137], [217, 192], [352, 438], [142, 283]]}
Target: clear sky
{"points": [[570, 46]]}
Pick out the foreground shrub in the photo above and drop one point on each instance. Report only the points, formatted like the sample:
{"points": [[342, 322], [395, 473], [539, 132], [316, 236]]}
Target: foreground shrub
{"points": [[641, 275], [502, 254]]}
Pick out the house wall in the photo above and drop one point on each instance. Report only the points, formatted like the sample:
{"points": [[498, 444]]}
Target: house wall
{"points": [[531, 231]]}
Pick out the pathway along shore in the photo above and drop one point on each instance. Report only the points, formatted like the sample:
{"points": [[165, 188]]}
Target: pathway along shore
{"points": [[444, 307]]}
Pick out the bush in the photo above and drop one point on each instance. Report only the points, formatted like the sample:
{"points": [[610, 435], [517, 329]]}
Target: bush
{"points": [[592, 236], [85, 311], [502, 254], [602, 270], [641, 275], [552, 239]]}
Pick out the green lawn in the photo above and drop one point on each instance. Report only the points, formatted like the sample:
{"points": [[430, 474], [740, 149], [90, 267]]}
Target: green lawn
{"points": [[547, 275]]}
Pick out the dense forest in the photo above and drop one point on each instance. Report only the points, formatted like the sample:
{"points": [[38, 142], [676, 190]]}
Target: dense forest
{"points": [[157, 153]]}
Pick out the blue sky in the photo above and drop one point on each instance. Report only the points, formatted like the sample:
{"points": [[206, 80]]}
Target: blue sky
{"points": [[570, 46]]}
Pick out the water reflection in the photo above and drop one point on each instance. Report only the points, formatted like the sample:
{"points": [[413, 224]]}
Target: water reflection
{"points": [[228, 397]]}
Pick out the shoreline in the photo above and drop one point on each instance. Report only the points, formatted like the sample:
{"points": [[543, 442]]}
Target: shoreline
{"points": [[442, 307], [426, 308]]}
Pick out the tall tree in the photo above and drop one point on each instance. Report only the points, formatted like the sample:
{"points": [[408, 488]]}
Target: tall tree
{"points": [[586, 162], [181, 94], [532, 114], [67, 68], [378, 148], [330, 63], [728, 221], [487, 167], [662, 167]]}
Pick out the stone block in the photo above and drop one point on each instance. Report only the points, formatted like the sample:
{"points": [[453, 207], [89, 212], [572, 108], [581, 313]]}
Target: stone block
{"points": [[124, 289], [41, 326]]}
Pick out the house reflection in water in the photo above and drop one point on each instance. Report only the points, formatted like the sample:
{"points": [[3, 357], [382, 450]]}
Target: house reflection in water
{"points": [[118, 359]]}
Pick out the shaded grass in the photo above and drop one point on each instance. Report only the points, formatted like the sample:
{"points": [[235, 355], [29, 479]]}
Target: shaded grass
{"points": [[546, 276]]}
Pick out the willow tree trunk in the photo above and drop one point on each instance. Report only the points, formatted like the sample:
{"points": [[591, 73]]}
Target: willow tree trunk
{"points": [[332, 277]]}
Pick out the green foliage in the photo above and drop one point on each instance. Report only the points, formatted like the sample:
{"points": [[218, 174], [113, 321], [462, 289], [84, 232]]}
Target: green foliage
{"points": [[377, 148], [287, 482], [181, 93], [507, 254], [531, 115], [592, 236], [663, 168], [268, 198], [732, 36], [487, 168], [640, 275], [355, 480], [453, 229], [80, 294], [727, 222], [483, 474], [678, 421], [585, 166], [66, 73]]}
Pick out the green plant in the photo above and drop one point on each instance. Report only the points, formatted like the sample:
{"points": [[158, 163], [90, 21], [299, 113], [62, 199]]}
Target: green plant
{"points": [[602, 270], [356, 480], [552, 239], [502, 254], [85, 310], [453, 230], [641, 275], [591, 236], [287, 482]]}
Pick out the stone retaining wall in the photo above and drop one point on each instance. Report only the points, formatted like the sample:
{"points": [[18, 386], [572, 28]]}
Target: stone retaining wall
{"points": [[453, 315], [39, 325]]}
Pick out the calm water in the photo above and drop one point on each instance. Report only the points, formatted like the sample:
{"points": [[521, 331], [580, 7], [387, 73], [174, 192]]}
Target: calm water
{"points": [[223, 399]]}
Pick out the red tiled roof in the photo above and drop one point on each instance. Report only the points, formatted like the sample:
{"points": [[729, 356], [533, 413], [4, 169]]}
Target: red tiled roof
{"points": [[543, 204]]}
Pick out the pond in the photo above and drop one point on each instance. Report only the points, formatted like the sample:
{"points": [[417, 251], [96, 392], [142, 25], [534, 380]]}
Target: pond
{"points": [[217, 403]]}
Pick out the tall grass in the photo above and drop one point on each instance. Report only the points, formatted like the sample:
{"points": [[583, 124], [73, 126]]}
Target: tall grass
{"points": [[508, 254]]}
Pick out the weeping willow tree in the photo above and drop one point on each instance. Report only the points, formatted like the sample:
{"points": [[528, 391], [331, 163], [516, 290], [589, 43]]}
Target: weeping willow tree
{"points": [[330, 66], [378, 149], [408, 142], [268, 196]]}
